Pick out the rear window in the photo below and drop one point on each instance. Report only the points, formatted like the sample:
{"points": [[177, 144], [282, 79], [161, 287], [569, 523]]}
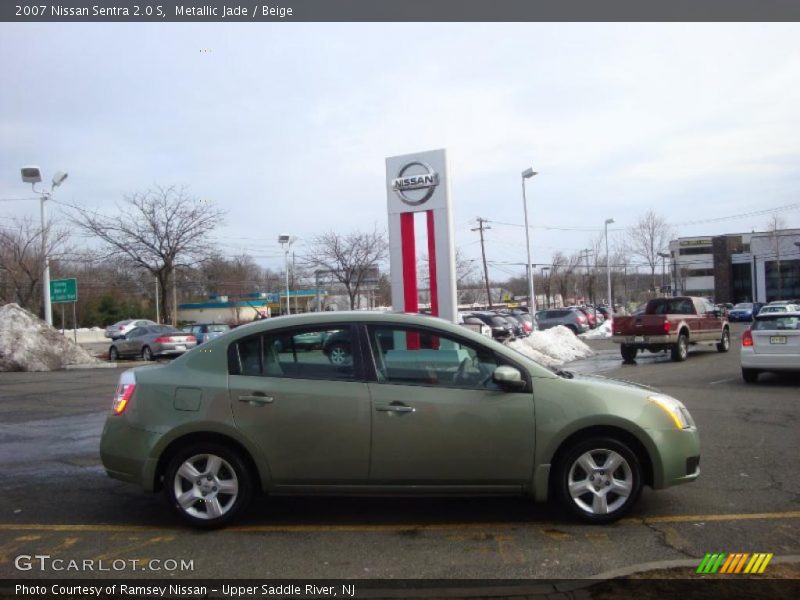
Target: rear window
{"points": [[670, 306], [777, 322], [498, 321]]}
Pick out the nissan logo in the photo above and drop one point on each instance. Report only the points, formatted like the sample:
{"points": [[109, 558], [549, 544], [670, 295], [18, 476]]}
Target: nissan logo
{"points": [[426, 181]]}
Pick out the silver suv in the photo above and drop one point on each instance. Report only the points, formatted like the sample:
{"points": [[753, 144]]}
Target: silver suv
{"points": [[572, 319]]}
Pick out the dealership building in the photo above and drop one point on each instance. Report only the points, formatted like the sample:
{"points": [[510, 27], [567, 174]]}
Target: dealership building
{"points": [[738, 267]]}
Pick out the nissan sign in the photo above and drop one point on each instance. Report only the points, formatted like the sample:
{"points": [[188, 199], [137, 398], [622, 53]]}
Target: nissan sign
{"points": [[413, 177]]}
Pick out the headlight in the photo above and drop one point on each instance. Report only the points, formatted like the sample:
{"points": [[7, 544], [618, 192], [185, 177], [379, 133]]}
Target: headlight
{"points": [[674, 408]]}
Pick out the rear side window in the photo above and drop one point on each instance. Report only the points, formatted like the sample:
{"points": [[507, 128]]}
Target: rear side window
{"points": [[309, 353]]}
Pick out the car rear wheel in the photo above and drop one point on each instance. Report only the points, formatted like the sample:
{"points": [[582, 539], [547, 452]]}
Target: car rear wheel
{"points": [[628, 352], [573, 329], [147, 354], [725, 343], [113, 354], [208, 485], [681, 349], [599, 479], [750, 375]]}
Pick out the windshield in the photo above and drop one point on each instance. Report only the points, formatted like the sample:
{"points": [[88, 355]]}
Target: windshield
{"points": [[744, 306]]}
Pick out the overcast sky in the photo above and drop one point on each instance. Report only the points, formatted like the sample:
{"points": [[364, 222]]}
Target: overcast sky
{"points": [[286, 126]]}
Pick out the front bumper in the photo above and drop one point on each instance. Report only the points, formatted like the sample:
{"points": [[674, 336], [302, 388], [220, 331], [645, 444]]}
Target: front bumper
{"points": [[125, 452], [677, 456]]}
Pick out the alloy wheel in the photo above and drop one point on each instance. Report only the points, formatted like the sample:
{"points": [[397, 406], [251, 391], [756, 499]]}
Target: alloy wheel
{"points": [[600, 481], [205, 486]]}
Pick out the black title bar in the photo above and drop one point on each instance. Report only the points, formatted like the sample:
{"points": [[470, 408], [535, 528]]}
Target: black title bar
{"points": [[186, 11]]}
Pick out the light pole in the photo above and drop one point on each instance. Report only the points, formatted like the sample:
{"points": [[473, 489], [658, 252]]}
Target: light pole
{"points": [[608, 271], [527, 174], [33, 175], [285, 241], [664, 256]]}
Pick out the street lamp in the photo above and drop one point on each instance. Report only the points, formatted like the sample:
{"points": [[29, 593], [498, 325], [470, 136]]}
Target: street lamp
{"points": [[608, 271], [285, 241], [33, 175], [664, 256], [527, 174]]}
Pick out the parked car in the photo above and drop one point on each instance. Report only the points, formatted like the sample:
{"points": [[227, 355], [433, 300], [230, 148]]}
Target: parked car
{"points": [[474, 323], [744, 311], [672, 324], [150, 342], [441, 410], [120, 328], [572, 319], [528, 324], [771, 344], [516, 324], [590, 315], [208, 331], [501, 328]]}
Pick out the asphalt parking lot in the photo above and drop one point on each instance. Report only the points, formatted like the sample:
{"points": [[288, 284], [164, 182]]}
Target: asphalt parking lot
{"points": [[58, 501]]}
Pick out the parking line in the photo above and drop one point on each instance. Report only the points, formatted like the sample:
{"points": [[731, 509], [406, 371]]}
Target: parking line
{"points": [[723, 381], [60, 527]]}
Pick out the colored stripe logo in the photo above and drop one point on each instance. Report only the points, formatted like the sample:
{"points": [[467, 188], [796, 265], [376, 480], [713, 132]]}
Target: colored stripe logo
{"points": [[736, 563]]}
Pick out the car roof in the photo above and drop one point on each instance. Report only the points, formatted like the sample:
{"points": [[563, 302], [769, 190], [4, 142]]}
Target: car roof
{"points": [[787, 313]]}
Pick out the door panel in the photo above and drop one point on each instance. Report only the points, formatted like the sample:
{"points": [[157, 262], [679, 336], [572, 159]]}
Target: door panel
{"points": [[310, 431], [452, 436]]}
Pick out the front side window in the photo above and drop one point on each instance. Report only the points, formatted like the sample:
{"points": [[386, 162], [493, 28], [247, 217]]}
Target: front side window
{"points": [[410, 356]]}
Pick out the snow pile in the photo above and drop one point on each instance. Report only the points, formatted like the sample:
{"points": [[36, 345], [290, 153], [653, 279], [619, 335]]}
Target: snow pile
{"points": [[602, 332], [29, 344], [552, 347]]}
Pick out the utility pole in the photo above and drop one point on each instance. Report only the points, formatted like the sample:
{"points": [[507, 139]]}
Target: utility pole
{"points": [[480, 228]]}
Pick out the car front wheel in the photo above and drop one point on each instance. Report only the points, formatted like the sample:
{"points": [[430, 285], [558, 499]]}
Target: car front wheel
{"points": [[599, 480], [113, 354], [207, 484], [147, 354]]}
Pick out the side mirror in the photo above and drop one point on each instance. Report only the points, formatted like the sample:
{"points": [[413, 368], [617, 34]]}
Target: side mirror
{"points": [[508, 377]]}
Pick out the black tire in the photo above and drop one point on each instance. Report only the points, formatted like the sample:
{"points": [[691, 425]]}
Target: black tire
{"points": [[568, 470], [113, 354], [573, 329], [628, 352], [233, 469], [147, 354], [680, 350], [750, 375], [340, 355], [725, 343]]}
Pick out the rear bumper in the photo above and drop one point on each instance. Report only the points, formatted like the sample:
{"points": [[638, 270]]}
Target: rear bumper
{"points": [[769, 362], [644, 341], [125, 452]]}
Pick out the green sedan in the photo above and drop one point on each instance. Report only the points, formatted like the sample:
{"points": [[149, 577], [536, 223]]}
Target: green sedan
{"points": [[421, 406]]}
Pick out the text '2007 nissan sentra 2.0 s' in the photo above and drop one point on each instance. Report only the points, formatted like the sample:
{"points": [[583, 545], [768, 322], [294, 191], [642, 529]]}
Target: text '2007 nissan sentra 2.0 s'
{"points": [[409, 405]]}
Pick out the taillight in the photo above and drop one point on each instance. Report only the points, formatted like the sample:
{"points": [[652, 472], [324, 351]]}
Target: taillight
{"points": [[123, 396], [747, 338], [581, 319], [527, 326], [191, 338], [125, 389], [667, 326], [163, 339]]}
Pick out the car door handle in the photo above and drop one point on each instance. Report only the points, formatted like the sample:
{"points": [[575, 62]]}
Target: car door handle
{"points": [[398, 408], [257, 400]]}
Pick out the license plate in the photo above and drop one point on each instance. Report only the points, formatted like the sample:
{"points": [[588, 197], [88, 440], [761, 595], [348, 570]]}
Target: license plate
{"points": [[180, 347], [639, 339], [777, 339]]}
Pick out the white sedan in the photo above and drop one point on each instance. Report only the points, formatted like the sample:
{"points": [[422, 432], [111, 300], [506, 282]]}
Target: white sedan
{"points": [[771, 344]]}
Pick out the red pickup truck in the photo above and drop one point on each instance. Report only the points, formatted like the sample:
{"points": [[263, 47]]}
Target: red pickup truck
{"points": [[672, 324]]}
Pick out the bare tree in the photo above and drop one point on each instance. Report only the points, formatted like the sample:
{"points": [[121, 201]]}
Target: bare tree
{"points": [[348, 258], [775, 224], [158, 230], [649, 236], [21, 262]]}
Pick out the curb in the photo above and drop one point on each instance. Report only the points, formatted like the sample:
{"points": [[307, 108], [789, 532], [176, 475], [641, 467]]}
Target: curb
{"points": [[102, 365]]}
